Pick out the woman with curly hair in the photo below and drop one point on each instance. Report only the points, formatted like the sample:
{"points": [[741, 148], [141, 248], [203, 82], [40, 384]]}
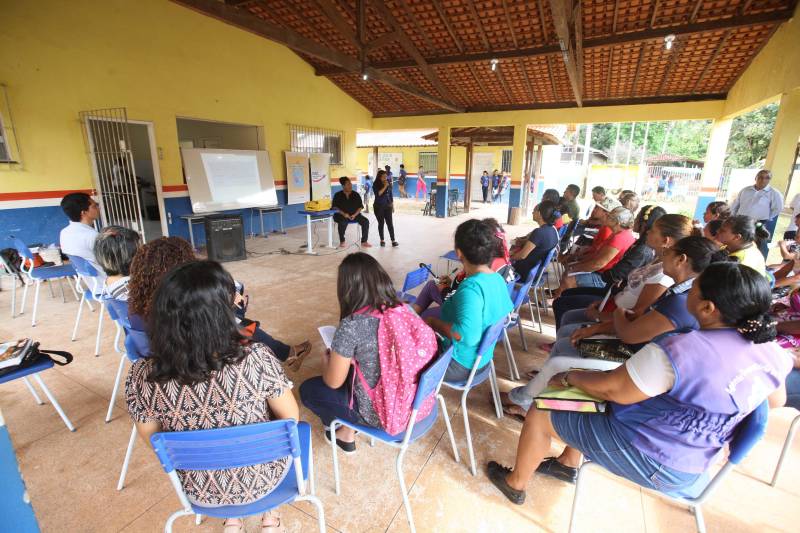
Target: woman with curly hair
{"points": [[151, 264]]}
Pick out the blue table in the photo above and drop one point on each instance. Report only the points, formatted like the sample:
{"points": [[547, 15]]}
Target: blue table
{"points": [[318, 216], [451, 257], [15, 506]]}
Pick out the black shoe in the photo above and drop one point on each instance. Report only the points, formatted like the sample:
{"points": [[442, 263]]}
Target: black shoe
{"points": [[395, 244], [348, 448], [497, 475], [551, 467], [383, 243]]}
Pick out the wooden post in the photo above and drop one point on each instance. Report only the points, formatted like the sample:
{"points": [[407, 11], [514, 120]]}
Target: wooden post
{"points": [[468, 180]]}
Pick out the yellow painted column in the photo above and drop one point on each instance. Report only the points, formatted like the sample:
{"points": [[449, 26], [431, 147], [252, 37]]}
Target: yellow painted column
{"points": [[517, 167], [783, 148], [712, 170], [442, 171]]}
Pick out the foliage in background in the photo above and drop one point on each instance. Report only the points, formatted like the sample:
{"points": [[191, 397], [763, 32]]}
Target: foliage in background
{"points": [[750, 137]]}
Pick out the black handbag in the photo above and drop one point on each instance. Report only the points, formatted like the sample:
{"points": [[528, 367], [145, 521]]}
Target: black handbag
{"points": [[35, 355]]}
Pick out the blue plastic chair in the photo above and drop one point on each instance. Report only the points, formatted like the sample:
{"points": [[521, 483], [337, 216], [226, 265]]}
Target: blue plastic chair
{"points": [[537, 288], [746, 435], [238, 446], [34, 371], [90, 286], [514, 320], [429, 383], [478, 375], [118, 311], [785, 450], [37, 275], [414, 279]]}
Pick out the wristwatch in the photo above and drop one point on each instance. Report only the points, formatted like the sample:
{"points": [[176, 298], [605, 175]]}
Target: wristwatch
{"points": [[565, 380]]}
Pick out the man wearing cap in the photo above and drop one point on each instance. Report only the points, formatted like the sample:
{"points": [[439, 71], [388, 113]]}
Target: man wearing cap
{"points": [[759, 202]]}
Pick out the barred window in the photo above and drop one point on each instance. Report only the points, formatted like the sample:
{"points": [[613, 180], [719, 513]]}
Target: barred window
{"points": [[506, 162], [429, 161], [316, 140]]}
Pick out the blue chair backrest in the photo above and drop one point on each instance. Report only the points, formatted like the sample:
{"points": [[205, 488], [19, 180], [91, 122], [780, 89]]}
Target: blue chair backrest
{"points": [[562, 231], [490, 337], [225, 448], [512, 284], [748, 432], [137, 344], [118, 311], [429, 379], [21, 248], [82, 266], [415, 278], [543, 266], [522, 293]]}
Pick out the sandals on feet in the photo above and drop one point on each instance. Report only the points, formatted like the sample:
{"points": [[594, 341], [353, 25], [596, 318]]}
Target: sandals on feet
{"points": [[233, 528], [296, 358], [275, 524]]}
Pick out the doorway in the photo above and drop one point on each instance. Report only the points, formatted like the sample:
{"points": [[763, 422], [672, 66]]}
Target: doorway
{"points": [[480, 161], [124, 161]]}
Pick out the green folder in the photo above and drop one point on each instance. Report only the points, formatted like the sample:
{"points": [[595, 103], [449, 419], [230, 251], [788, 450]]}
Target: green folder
{"points": [[569, 399]]}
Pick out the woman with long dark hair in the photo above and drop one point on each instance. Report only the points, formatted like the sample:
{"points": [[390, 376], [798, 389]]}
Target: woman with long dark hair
{"points": [[708, 379], [365, 294], [201, 374], [383, 207]]}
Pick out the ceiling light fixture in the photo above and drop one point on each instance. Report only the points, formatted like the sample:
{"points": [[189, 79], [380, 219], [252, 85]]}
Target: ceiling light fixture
{"points": [[668, 40], [494, 63], [364, 76]]}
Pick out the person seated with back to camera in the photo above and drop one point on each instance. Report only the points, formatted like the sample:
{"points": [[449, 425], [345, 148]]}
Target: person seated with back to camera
{"points": [[603, 254], [713, 377], [742, 237], [481, 299], [529, 251], [348, 206], [353, 363], [156, 258], [435, 291], [202, 373], [114, 249]]}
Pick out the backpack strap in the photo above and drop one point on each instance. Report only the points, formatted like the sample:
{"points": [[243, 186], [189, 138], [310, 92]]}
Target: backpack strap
{"points": [[67, 357]]}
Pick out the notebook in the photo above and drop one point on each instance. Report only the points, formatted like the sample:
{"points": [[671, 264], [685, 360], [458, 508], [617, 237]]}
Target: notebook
{"points": [[569, 399], [327, 332], [12, 353]]}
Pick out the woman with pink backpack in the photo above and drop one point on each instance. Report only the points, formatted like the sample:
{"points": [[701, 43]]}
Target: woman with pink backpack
{"points": [[377, 354]]}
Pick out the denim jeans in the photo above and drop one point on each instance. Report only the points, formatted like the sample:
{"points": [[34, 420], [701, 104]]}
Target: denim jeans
{"points": [[597, 438], [793, 389], [328, 403], [590, 279]]}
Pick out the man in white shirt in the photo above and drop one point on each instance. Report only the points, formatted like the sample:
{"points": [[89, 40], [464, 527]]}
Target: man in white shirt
{"points": [[79, 236], [759, 202]]}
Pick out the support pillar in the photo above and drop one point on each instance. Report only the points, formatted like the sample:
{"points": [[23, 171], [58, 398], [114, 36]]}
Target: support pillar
{"points": [[517, 163], [783, 147], [712, 170], [443, 172], [537, 173], [468, 179]]}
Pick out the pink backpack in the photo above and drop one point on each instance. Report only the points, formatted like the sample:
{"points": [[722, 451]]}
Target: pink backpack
{"points": [[405, 347]]}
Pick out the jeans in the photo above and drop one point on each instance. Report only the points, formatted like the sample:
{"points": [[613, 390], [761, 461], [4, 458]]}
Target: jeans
{"points": [[328, 403], [384, 214], [575, 316], [579, 298], [599, 440], [563, 344], [343, 222], [590, 279], [485, 191], [456, 372], [793, 389], [280, 349]]}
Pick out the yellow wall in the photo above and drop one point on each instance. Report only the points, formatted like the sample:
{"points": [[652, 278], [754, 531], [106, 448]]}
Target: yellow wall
{"points": [[159, 60], [774, 71], [458, 157]]}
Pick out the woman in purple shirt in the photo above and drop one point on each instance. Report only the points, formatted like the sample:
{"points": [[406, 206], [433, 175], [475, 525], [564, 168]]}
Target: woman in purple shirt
{"points": [[706, 380]]}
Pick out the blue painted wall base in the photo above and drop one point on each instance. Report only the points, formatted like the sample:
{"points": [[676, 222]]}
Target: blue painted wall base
{"points": [[514, 199], [441, 200]]}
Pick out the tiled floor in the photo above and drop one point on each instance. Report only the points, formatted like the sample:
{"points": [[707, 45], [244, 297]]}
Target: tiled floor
{"points": [[72, 477]]}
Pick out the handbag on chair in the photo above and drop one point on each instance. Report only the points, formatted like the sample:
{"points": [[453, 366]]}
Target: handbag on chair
{"points": [[25, 353]]}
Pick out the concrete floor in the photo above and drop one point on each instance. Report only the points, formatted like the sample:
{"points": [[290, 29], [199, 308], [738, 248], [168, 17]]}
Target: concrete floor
{"points": [[71, 477]]}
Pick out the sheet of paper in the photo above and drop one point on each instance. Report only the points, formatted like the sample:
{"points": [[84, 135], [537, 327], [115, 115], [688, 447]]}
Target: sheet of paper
{"points": [[327, 332], [577, 273]]}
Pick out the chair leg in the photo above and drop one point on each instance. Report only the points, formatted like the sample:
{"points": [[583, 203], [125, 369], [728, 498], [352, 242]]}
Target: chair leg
{"points": [[50, 288], [467, 432], [698, 518], [320, 511], [312, 484], [449, 427], [78, 318], [538, 309], [522, 336], [35, 302], [24, 299], [61, 286], [174, 516], [33, 391], [498, 407], [512, 363], [332, 430], [53, 401], [13, 297], [72, 286], [116, 387], [582, 473], [127, 460], [530, 310], [786, 445], [402, 480], [99, 329], [198, 519]]}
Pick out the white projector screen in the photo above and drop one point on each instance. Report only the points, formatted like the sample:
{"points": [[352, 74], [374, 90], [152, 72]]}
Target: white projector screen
{"points": [[219, 180]]}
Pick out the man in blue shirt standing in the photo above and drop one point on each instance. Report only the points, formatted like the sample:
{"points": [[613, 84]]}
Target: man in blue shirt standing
{"points": [[760, 202], [485, 185]]}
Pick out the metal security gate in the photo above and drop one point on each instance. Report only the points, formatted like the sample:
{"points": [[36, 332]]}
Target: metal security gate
{"points": [[108, 140]]}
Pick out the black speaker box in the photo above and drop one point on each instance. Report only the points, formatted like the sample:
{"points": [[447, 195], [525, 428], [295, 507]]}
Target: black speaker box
{"points": [[225, 238]]}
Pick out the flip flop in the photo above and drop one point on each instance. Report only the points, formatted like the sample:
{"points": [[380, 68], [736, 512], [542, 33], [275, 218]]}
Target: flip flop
{"points": [[295, 361]]}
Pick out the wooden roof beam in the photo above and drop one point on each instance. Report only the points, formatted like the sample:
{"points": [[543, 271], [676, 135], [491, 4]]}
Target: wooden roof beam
{"points": [[293, 40], [597, 42], [569, 33], [341, 24]]}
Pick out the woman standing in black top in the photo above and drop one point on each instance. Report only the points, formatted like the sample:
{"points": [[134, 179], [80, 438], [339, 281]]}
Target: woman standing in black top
{"points": [[383, 207]]}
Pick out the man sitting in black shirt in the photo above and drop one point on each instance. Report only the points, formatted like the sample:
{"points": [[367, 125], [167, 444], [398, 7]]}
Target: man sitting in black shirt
{"points": [[348, 205]]}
